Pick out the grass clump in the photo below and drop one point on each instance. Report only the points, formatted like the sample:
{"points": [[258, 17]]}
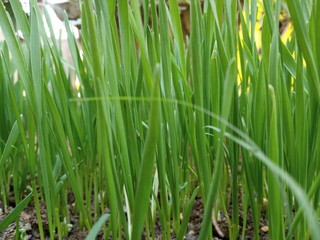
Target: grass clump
{"points": [[159, 119]]}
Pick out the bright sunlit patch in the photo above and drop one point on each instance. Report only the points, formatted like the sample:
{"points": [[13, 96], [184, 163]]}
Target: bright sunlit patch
{"points": [[25, 5], [57, 1], [59, 29], [24, 94], [288, 34], [77, 83], [286, 24], [292, 84]]}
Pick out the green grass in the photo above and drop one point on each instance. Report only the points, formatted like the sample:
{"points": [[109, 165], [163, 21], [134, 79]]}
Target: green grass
{"points": [[162, 119]]}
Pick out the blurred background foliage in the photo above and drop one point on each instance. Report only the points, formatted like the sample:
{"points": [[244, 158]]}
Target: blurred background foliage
{"points": [[72, 8]]}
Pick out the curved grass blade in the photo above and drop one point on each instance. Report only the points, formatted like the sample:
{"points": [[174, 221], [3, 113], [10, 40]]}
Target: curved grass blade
{"points": [[14, 214], [15, 49], [13, 136], [21, 19], [186, 216], [300, 26], [141, 203], [217, 174], [97, 227], [247, 143]]}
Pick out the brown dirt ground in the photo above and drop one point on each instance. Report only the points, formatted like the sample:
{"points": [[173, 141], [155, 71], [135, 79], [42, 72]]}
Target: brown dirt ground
{"points": [[28, 221]]}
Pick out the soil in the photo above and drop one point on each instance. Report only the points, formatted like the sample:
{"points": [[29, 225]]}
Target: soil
{"points": [[28, 221]]}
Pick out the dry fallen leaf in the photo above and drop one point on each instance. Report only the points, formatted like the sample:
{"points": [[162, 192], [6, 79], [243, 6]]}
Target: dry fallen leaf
{"points": [[265, 229]]}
